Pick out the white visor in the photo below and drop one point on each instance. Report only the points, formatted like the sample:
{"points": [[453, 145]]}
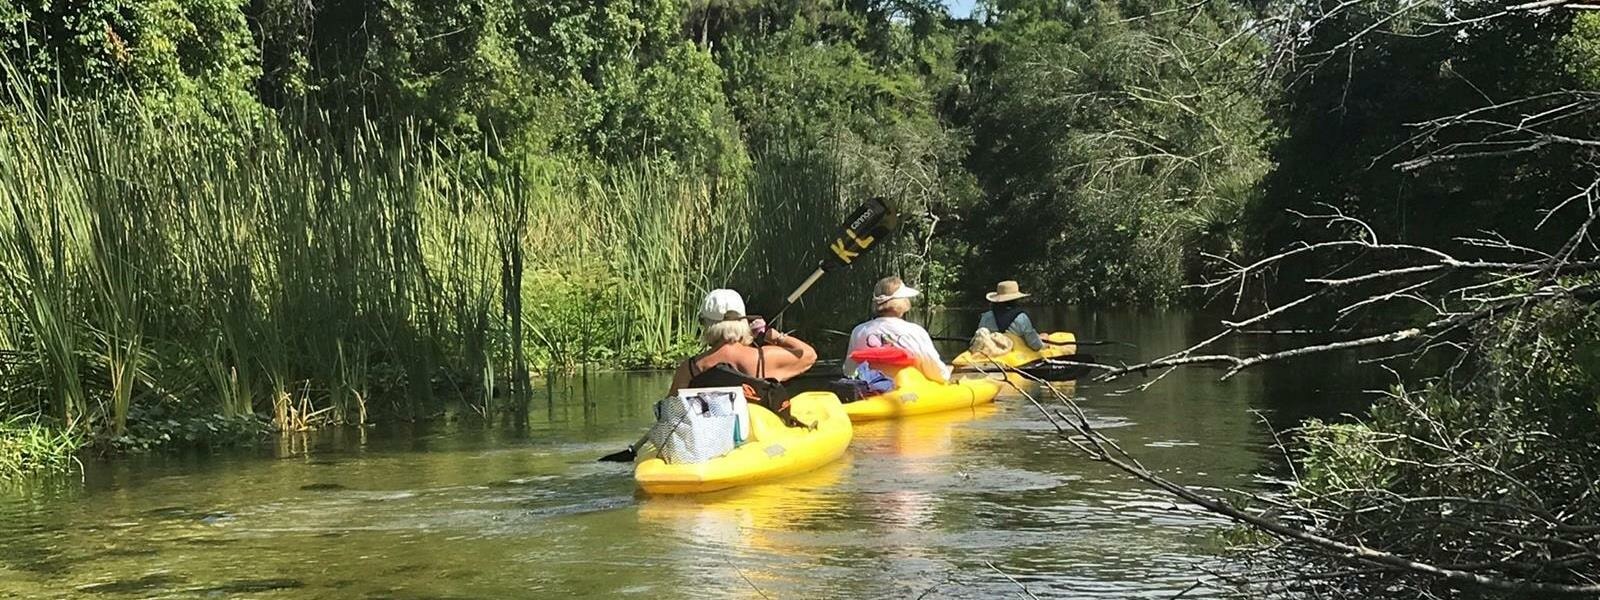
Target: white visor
{"points": [[905, 291]]}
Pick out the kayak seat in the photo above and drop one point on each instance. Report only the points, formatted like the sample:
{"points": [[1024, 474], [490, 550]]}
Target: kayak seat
{"points": [[889, 362], [897, 364]]}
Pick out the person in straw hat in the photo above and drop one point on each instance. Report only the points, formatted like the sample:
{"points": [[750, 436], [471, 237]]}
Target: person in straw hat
{"points": [[891, 300], [1005, 316]]}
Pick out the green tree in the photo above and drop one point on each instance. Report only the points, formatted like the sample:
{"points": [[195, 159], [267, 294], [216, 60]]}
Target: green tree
{"points": [[854, 84], [1113, 141], [607, 79], [1368, 123], [174, 54]]}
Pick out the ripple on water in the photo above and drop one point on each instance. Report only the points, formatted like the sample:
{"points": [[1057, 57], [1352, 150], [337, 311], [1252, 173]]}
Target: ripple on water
{"points": [[138, 585]]}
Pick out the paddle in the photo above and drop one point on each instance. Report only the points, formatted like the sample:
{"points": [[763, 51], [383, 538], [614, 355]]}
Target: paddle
{"points": [[873, 221], [948, 338], [1063, 368]]}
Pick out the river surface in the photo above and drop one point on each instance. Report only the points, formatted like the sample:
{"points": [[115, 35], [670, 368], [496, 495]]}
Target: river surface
{"points": [[972, 504]]}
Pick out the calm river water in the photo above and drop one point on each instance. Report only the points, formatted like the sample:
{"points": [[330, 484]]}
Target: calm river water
{"points": [[468, 510]]}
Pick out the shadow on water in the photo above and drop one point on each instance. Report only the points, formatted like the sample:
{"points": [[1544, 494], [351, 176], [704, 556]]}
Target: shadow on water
{"points": [[468, 509]]}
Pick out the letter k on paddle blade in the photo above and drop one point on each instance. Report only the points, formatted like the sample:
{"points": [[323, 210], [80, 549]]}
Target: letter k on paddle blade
{"points": [[868, 225]]}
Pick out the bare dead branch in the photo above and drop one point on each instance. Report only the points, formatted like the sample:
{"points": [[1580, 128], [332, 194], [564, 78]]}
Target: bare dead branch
{"points": [[1013, 580], [1084, 436]]}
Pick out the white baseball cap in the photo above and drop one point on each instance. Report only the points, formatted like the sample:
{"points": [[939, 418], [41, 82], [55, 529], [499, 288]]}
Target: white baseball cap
{"points": [[722, 305]]}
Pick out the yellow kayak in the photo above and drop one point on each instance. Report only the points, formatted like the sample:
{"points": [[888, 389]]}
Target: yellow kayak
{"points": [[915, 394], [773, 450], [1057, 344]]}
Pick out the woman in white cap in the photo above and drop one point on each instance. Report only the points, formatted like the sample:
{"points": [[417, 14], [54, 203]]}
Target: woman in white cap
{"points": [[733, 359], [1004, 316], [730, 337], [891, 300]]}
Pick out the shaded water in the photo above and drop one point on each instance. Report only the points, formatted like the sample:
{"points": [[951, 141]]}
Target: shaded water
{"points": [[473, 510]]}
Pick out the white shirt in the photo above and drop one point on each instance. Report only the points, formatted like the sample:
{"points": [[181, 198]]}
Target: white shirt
{"points": [[900, 333]]}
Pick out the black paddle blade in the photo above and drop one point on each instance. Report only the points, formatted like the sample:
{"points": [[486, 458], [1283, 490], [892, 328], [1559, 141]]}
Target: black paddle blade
{"points": [[624, 456], [873, 221]]}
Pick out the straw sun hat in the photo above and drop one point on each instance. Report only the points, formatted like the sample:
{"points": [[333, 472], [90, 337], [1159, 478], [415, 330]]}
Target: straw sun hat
{"points": [[1005, 291]]}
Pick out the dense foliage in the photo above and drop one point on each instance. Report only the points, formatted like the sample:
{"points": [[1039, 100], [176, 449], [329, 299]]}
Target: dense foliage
{"points": [[1464, 127], [1121, 137], [1113, 141], [1495, 469], [336, 211], [218, 216], [608, 80], [185, 56], [1370, 126]]}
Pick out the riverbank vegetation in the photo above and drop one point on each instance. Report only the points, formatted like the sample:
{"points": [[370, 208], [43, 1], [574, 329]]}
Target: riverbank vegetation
{"points": [[197, 231], [224, 216], [337, 212], [1430, 208], [153, 264], [28, 446]]}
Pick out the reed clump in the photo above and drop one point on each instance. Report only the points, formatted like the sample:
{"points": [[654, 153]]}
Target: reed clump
{"points": [[310, 281]]}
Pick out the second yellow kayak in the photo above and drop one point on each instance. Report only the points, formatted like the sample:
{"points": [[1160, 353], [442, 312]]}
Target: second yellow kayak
{"points": [[915, 394], [1057, 344], [773, 450]]}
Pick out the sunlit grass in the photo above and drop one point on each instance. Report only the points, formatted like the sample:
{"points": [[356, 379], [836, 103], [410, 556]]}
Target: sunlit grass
{"points": [[147, 260], [28, 447]]}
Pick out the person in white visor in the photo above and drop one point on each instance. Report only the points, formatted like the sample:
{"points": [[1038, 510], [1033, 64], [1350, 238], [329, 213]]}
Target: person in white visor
{"points": [[891, 300]]}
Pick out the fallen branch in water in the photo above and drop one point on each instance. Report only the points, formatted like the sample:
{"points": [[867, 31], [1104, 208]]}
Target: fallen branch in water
{"points": [[1458, 292], [949, 578], [1012, 580], [747, 581], [1073, 426]]}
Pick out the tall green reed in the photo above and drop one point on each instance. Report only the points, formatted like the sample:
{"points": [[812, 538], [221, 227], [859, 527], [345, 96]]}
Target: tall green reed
{"points": [[150, 260], [35, 250]]}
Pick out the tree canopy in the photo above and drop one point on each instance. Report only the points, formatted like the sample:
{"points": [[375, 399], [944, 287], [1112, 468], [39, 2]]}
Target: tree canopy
{"points": [[1098, 151]]}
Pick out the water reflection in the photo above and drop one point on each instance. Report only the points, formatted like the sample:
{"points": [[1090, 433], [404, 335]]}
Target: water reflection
{"points": [[745, 531]]}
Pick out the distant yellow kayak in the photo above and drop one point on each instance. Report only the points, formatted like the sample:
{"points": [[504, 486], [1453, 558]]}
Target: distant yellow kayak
{"points": [[1056, 345], [915, 394], [773, 450]]}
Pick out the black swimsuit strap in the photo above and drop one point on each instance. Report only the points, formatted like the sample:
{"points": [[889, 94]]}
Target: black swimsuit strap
{"points": [[695, 371], [761, 362], [694, 363]]}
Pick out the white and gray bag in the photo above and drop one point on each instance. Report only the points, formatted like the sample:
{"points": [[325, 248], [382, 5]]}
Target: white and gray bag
{"points": [[700, 424]]}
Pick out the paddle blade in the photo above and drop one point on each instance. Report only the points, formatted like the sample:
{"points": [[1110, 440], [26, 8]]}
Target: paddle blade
{"points": [[623, 456], [866, 228]]}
